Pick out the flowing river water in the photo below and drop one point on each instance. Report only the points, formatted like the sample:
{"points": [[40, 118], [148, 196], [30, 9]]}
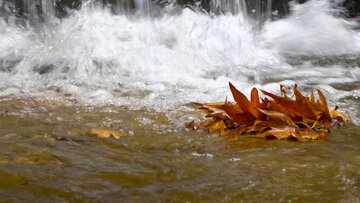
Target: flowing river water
{"points": [[138, 75]]}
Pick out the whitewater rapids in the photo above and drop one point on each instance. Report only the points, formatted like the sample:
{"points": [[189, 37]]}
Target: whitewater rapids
{"points": [[162, 63]]}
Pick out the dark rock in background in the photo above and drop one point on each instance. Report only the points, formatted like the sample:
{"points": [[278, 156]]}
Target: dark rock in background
{"points": [[352, 7]]}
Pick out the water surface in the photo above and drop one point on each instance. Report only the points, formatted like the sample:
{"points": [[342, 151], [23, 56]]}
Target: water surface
{"points": [[137, 75]]}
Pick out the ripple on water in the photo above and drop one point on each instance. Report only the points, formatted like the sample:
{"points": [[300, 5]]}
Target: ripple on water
{"points": [[46, 158]]}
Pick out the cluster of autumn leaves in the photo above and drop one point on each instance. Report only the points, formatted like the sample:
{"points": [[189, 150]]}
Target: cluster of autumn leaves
{"points": [[279, 117]]}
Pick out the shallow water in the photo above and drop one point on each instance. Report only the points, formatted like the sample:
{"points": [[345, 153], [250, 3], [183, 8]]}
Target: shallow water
{"points": [[48, 156], [138, 76]]}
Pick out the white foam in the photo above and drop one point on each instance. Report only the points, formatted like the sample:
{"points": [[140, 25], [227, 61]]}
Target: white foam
{"points": [[160, 63], [313, 29]]}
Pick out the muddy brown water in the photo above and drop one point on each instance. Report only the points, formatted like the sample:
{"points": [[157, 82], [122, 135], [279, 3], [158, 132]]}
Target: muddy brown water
{"points": [[47, 156]]}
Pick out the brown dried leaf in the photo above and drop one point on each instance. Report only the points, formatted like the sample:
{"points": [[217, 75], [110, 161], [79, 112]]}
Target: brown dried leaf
{"points": [[283, 91], [312, 98], [308, 134], [338, 115], [217, 125], [288, 106], [193, 125], [243, 102], [279, 132], [323, 103], [261, 126], [241, 118], [305, 109], [255, 101], [324, 117], [213, 110], [278, 117]]}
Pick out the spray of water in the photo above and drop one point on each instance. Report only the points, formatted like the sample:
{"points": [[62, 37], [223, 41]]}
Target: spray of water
{"points": [[312, 29], [168, 61]]}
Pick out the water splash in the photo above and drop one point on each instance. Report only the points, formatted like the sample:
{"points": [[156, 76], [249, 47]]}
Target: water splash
{"points": [[99, 58], [313, 29]]}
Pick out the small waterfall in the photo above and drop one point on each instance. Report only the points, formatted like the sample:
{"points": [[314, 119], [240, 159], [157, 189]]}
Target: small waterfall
{"points": [[140, 5], [48, 10], [143, 6], [38, 11], [43, 11], [30, 11], [260, 11], [269, 9], [123, 6], [129, 6], [228, 6], [5, 10]]}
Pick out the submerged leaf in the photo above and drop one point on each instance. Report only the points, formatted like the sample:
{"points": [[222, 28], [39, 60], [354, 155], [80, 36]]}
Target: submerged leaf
{"points": [[213, 110], [106, 133], [279, 132]]}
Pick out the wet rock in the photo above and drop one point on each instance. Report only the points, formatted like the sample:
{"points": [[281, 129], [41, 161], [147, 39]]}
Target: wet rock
{"points": [[44, 69], [352, 7]]}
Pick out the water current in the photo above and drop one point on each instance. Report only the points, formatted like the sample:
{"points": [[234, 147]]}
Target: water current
{"points": [[138, 73], [172, 60]]}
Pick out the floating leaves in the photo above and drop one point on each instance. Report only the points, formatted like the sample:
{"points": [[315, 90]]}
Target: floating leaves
{"points": [[279, 117]]}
